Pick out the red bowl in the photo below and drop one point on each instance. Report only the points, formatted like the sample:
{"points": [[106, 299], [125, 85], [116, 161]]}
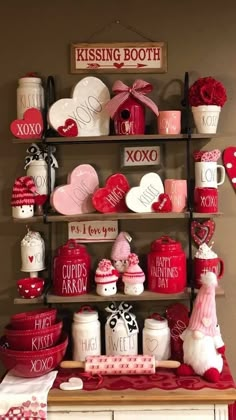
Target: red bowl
{"points": [[30, 287], [33, 339], [34, 320], [30, 364]]}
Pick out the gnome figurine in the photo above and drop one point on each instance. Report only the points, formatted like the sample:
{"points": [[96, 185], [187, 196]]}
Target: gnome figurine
{"points": [[134, 277], [106, 277], [202, 342], [23, 197], [120, 251]]}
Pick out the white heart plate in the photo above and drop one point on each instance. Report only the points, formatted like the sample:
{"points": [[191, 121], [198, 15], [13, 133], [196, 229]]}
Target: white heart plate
{"points": [[86, 108], [140, 199], [72, 385]]}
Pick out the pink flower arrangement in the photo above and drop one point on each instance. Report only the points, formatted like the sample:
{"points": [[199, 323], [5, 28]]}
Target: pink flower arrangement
{"points": [[207, 91]]}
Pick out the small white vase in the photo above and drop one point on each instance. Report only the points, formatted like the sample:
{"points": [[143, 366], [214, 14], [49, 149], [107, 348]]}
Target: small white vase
{"points": [[206, 118]]}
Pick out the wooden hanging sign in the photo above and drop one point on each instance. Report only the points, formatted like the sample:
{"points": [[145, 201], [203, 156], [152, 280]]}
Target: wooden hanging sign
{"points": [[93, 231], [145, 57]]}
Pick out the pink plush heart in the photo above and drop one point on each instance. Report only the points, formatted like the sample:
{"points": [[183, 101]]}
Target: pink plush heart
{"points": [[76, 196], [69, 129], [30, 127], [111, 198]]}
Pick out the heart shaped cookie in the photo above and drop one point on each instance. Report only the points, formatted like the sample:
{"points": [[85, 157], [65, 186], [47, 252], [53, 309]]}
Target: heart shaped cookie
{"points": [[202, 232], [140, 199], [163, 204], [86, 108], [69, 129], [76, 196], [30, 127], [111, 198], [72, 384], [229, 160]]}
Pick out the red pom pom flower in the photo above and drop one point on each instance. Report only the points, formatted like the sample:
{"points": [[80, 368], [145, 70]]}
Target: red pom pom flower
{"points": [[207, 91]]}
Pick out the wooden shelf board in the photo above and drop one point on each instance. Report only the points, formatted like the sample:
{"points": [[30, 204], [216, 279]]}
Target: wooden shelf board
{"points": [[22, 301], [93, 297], [34, 219], [117, 138], [219, 291], [206, 215]]}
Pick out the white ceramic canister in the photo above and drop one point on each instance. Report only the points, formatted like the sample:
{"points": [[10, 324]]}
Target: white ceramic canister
{"points": [[156, 338], [118, 342], [38, 170], [86, 334], [32, 253], [30, 94]]}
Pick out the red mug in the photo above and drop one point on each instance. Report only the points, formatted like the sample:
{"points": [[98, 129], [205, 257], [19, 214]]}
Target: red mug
{"points": [[206, 200], [202, 265]]}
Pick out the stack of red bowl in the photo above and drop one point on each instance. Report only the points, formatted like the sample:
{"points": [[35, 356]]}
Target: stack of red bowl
{"points": [[34, 343]]}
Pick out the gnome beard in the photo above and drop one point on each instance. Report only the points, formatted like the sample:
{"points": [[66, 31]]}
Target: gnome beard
{"points": [[202, 342]]}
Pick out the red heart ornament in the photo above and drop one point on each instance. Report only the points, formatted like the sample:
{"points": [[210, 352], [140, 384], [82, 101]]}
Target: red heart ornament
{"points": [[118, 65], [69, 129], [30, 127], [229, 160], [202, 232], [111, 198], [163, 205]]}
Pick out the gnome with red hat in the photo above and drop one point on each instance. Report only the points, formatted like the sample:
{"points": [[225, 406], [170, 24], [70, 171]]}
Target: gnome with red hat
{"points": [[23, 197], [202, 342]]}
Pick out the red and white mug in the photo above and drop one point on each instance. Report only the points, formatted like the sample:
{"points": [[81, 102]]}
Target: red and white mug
{"points": [[206, 200], [203, 265]]}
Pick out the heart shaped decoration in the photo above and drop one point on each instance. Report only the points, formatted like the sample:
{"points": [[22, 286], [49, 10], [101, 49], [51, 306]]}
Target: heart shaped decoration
{"points": [[229, 160], [206, 321], [72, 384], [76, 196], [163, 204], [111, 198], [30, 127], [118, 65], [31, 257], [202, 232], [151, 344], [69, 129], [86, 108], [140, 199]]}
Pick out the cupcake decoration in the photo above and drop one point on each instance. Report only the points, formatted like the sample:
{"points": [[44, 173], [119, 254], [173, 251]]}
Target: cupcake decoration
{"points": [[106, 277], [134, 277]]}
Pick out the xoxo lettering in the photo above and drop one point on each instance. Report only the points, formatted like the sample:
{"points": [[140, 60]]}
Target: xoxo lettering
{"points": [[85, 113], [208, 201], [39, 365], [26, 129]]}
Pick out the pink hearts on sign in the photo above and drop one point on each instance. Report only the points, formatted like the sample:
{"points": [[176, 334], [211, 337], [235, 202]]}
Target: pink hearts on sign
{"points": [[76, 196], [111, 198], [69, 129], [30, 127], [229, 160]]}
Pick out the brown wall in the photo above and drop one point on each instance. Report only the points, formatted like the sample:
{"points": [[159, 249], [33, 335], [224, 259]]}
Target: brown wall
{"points": [[35, 36]]}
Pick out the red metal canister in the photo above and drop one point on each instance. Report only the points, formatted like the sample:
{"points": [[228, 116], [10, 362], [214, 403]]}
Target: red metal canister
{"points": [[166, 266], [71, 270], [130, 118]]}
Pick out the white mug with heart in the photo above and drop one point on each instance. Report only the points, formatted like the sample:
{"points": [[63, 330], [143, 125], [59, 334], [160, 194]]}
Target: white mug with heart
{"points": [[156, 338], [206, 174]]}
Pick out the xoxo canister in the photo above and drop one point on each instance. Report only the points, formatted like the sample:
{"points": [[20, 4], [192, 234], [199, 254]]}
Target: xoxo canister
{"points": [[30, 94], [71, 270], [86, 334], [156, 338], [166, 266]]}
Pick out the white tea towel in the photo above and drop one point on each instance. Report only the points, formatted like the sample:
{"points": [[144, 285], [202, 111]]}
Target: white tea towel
{"points": [[25, 398]]}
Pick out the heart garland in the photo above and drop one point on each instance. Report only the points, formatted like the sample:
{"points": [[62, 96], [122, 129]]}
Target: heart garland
{"points": [[229, 161], [202, 232]]}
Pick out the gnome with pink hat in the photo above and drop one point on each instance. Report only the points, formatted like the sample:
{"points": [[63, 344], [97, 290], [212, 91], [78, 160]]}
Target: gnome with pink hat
{"points": [[202, 342], [106, 277], [120, 251], [134, 277]]}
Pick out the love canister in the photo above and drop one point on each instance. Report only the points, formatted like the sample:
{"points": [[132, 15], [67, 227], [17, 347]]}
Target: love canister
{"points": [[166, 266], [71, 270]]}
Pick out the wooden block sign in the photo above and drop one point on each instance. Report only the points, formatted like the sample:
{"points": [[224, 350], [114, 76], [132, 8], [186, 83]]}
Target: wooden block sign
{"points": [[141, 156], [93, 231], [146, 57]]}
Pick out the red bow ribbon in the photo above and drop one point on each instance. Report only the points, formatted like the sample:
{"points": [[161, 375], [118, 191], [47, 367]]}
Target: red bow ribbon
{"points": [[138, 90]]}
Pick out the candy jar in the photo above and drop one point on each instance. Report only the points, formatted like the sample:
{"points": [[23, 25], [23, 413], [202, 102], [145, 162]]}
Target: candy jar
{"points": [[23, 198], [30, 94], [121, 331], [134, 277], [106, 277], [120, 251], [86, 334], [156, 337], [32, 253]]}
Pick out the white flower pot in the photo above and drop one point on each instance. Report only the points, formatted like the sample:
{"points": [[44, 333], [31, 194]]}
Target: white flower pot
{"points": [[206, 118]]}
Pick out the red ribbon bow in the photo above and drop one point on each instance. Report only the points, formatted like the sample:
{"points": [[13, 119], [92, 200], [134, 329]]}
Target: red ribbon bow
{"points": [[138, 90]]}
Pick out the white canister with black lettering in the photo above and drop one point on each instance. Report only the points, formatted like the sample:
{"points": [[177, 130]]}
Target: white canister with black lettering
{"points": [[86, 334], [30, 94], [156, 338]]}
